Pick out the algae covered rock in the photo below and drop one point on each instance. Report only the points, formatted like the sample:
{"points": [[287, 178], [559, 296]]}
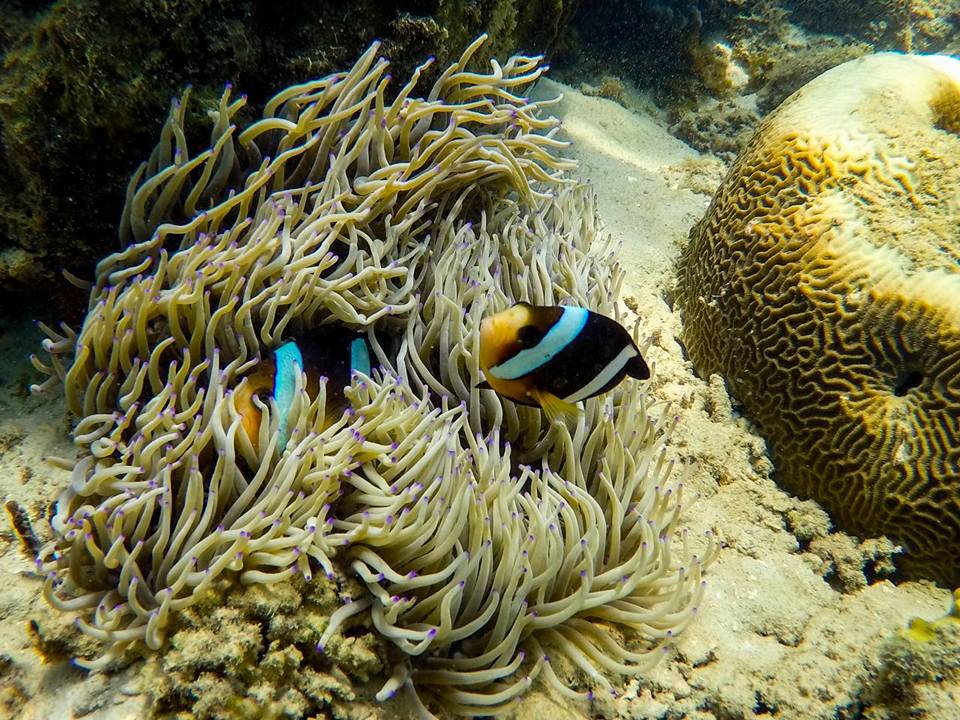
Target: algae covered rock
{"points": [[251, 653], [824, 285], [916, 25], [85, 83], [920, 673]]}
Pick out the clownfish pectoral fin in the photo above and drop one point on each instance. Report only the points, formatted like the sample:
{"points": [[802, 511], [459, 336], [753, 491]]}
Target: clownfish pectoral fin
{"points": [[483, 385], [553, 407]]}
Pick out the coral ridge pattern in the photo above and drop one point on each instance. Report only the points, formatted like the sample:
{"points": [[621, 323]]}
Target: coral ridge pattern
{"points": [[824, 285]]}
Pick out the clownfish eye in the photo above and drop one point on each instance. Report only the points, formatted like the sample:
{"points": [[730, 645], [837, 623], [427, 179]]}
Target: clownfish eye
{"points": [[529, 335]]}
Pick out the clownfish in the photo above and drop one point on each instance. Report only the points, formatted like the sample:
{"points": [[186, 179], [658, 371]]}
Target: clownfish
{"points": [[332, 352], [553, 356]]}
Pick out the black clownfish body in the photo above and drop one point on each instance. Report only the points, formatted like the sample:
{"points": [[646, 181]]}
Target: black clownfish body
{"points": [[553, 356], [329, 352]]}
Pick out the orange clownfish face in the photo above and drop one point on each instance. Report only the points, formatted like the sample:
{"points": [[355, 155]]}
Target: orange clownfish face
{"points": [[259, 381], [507, 333]]}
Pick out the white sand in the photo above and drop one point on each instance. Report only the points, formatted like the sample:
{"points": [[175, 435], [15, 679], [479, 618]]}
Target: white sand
{"points": [[772, 633]]}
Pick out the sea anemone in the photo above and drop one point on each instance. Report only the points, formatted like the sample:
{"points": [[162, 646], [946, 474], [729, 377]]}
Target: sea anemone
{"points": [[486, 540]]}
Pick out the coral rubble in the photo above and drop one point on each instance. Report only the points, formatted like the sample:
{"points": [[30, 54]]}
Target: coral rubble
{"points": [[920, 671], [251, 653], [718, 66]]}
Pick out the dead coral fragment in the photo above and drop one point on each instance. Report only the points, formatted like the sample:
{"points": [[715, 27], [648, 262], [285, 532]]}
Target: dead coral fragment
{"points": [[22, 528], [13, 695], [236, 654], [610, 87]]}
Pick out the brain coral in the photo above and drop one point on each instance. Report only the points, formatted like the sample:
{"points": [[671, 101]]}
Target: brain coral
{"points": [[824, 285]]}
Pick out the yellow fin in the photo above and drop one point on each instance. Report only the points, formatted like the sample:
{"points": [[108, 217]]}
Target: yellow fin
{"points": [[553, 407]]}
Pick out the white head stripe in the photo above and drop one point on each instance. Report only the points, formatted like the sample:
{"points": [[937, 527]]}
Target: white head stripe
{"points": [[604, 376], [564, 330], [288, 362]]}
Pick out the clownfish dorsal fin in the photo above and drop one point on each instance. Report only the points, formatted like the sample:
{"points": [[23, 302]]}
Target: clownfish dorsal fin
{"points": [[553, 407]]}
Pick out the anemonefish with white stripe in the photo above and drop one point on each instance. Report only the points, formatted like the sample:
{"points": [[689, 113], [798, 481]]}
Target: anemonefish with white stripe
{"points": [[331, 352], [553, 356]]}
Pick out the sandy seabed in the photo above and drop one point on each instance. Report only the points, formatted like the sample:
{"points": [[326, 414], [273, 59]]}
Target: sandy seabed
{"points": [[795, 615]]}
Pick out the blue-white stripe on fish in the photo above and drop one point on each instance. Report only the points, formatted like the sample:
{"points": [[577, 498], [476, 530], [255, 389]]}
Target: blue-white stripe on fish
{"points": [[555, 356], [563, 332], [360, 356], [289, 362], [327, 354], [600, 380]]}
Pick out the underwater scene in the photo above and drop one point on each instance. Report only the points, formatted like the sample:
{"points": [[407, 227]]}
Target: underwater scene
{"points": [[480, 358]]}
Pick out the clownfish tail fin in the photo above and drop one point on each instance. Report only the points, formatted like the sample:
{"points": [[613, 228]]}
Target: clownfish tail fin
{"points": [[637, 368]]}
